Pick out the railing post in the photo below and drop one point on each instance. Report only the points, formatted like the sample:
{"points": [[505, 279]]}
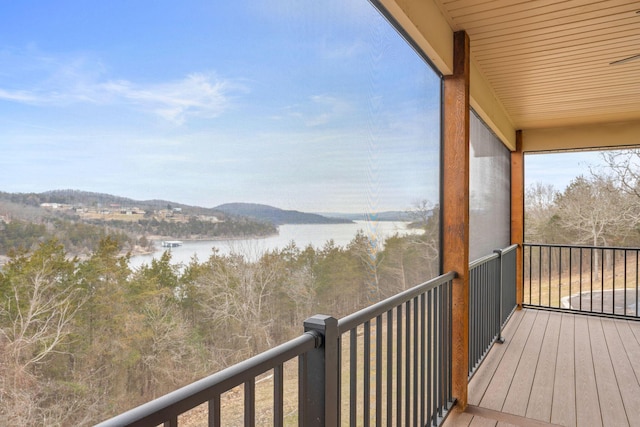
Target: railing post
{"points": [[318, 375], [499, 338]]}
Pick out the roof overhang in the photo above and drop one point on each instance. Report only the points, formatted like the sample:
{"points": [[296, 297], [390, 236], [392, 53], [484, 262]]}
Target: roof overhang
{"points": [[540, 66]]}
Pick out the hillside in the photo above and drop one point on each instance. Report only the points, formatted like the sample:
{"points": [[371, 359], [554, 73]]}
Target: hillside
{"points": [[86, 199], [80, 220], [277, 216]]}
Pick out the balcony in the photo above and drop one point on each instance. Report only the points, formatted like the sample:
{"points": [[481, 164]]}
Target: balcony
{"points": [[566, 359], [542, 76], [391, 363], [558, 368], [571, 357]]}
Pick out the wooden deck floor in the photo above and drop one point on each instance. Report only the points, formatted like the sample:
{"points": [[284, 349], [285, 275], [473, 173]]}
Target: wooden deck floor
{"points": [[558, 369]]}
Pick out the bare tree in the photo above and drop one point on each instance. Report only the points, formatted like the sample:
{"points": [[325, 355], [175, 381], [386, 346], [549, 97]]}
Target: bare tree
{"points": [[540, 208], [40, 302], [428, 243], [623, 166], [594, 210], [236, 297], [366, 250], [409, 260]]}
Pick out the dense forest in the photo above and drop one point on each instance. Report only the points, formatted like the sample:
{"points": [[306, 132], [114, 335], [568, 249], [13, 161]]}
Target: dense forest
{"points": [[77, 237], [82, 340]]}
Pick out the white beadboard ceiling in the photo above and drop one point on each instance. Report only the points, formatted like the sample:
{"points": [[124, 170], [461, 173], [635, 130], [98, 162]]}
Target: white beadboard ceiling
{"points": [[548, 61]]}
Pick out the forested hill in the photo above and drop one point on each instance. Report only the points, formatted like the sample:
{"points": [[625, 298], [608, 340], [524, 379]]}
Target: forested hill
{"points": [[80, 220], [277, 216], [89, 199]]}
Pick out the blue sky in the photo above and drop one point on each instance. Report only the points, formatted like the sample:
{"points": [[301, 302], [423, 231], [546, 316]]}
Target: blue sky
{"points": [[559, 169], [316, 106]]}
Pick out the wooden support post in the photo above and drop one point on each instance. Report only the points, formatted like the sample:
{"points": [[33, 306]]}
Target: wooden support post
{"points": [[455, 207], [517, 210]]}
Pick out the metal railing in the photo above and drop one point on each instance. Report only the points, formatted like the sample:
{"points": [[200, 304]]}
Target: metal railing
{"points": [[509, 285], [588, 279], [166, 409], [408, 337], [492, 299]]}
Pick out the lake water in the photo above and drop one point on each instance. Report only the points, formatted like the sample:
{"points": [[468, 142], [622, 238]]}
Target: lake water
{"points": [[302, 234]]}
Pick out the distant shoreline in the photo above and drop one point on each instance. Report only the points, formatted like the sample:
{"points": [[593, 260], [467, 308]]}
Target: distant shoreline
{"points": [[158, 239]]}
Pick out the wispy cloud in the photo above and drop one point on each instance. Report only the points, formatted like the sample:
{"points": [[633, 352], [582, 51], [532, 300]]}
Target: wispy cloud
{"points": [[318, 111], [22, 96], [197, 95], [81, 80]]}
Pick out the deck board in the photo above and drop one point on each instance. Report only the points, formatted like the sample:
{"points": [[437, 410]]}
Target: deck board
{"points": [[611, 406], [635, 328], [563, 405], [498, 388], [541, 398], [518, 395], [627, 381], [560, 369], [587, 404], [631, 346], [482, 377], [482, 422], [458, 419]]}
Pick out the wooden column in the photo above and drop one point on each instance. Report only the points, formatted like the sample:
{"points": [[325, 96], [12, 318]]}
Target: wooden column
{"points": [[517, 210], [455, 207]]}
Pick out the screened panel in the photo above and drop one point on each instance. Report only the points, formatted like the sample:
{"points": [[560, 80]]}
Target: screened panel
{"points": [[208, 174], [489, 191]]}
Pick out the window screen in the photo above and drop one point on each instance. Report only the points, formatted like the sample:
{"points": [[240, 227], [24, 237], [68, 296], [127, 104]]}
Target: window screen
{"points": [[490, 191]]}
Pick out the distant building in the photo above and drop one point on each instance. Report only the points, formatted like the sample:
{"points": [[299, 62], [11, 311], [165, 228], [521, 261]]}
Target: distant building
{"points": [[56, 206]]}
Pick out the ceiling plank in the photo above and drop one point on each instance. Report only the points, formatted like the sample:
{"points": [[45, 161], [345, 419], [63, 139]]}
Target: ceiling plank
{"points": [[548, 61]]}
